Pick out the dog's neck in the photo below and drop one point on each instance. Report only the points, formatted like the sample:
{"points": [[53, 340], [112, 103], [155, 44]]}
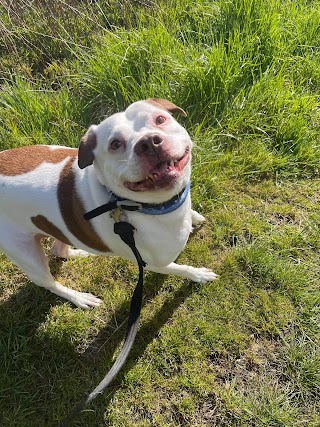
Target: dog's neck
{"points": [[147, 208], [160, 208]]}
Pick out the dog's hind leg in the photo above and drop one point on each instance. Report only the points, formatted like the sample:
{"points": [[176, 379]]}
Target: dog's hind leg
{"points": [[63, 250], [25, 252]]}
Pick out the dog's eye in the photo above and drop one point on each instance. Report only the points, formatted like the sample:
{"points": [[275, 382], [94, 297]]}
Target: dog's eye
{"points": [[115, 144], [160, 120]]}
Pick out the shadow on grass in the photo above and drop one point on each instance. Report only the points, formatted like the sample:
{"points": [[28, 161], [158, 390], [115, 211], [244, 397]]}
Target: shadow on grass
{"points": [[98, 357], [59, 374], [20, 308], [20, 384]]}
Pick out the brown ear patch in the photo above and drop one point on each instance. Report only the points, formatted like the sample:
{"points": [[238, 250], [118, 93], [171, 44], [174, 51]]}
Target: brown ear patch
{"points": [[18, 161], [47, 227], [167, 105], [87, 145], [72, 211]]}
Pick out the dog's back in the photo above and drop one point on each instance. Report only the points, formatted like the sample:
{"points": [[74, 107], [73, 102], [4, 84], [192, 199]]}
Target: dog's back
{"points": [[26, 177]]}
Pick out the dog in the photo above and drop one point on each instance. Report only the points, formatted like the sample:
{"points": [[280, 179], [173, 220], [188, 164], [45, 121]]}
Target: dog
{"points": [[141, 155]]}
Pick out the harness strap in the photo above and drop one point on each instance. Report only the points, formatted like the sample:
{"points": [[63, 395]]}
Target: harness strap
{"points": [[125, 231]]}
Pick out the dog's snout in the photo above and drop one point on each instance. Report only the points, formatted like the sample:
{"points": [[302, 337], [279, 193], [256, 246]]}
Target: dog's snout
{"points": [[148, 144]]}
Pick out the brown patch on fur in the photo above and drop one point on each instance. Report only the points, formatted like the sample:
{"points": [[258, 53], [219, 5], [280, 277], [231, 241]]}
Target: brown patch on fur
{"points": [[26, 159], [72, 211], [87, 145], [47, 227], [166, 105]]}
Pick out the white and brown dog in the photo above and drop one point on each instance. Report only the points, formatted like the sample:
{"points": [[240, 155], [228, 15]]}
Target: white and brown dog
{"points": [[141, 154]]}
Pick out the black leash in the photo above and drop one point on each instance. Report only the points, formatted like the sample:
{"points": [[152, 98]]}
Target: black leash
{"points": [[125, 231]]}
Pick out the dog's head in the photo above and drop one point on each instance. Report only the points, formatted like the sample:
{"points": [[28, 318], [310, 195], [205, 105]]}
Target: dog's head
{"points": [[142, 154]]}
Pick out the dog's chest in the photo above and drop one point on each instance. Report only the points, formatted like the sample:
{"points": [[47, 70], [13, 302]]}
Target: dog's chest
{"points": [[161, 238]]}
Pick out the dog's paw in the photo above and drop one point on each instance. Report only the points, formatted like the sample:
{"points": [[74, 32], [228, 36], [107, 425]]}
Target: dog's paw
{"points": [[202, 275], [85, 300], [78, 253], [197, 219], [80, 299]]}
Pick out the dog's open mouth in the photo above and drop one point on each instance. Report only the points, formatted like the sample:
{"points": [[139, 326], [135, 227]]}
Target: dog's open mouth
{"points": [[163, 176]]}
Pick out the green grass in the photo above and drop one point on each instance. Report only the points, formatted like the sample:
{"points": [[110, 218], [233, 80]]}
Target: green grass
{"points": [[244, 350]]}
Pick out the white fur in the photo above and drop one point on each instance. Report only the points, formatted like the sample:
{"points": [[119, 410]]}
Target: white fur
{"points": [[160, 239]]}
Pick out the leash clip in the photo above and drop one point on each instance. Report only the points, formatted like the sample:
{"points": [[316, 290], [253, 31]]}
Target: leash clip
{"points": [[122, 206]]}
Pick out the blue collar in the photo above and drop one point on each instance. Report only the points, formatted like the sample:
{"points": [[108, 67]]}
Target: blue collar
{"points": [[146, 208]]}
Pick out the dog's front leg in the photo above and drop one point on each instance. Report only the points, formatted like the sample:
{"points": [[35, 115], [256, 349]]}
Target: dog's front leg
{"points": [[197, 219], [199, 275]]}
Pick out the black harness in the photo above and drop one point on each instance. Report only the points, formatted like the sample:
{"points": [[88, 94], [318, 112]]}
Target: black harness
{"points": [[126, 232]]}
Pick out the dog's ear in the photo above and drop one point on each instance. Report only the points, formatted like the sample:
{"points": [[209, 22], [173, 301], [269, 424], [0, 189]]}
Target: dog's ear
{"points": [[167, 105], [87, 145]]}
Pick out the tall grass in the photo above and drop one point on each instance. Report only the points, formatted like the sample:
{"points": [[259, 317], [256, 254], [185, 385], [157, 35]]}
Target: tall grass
{"points": [[238, 68]]}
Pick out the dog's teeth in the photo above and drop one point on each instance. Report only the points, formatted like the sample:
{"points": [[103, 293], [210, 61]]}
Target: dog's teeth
{"points": [[151, 176], [170, 163]]}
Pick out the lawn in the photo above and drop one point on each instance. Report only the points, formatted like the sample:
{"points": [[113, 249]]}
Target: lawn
{"points": [[243, 350]]}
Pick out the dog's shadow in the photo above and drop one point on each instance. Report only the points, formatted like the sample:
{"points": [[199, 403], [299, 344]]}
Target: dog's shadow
{"points": [[20, 308], [26, 316], [99, 354]]}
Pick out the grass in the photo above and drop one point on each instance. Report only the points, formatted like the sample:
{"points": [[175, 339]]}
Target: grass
{"points": [[243, 351]]}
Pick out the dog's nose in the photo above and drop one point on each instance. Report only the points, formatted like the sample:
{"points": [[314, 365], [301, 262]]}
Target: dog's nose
{"points": [[148, 145]]}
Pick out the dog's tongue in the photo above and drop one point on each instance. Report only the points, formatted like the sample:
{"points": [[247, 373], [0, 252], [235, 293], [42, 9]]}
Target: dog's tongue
{"points": [[162, 169]]}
